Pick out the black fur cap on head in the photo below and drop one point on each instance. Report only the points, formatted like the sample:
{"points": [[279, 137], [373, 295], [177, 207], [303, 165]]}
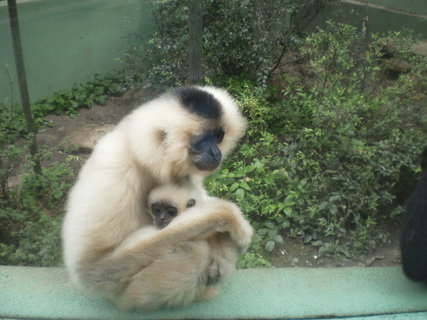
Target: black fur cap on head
{"points": [[198, 101]]}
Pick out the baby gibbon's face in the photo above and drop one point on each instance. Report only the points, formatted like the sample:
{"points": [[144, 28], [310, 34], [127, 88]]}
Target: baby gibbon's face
{"points": [[164, 212]]}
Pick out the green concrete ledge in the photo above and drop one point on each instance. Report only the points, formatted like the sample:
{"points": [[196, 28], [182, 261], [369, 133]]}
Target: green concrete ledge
{"points": [[288, 293]]}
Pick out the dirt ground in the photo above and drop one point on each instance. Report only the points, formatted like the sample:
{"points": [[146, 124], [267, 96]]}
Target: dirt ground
{"points": [[73, 138], [294, 253]]}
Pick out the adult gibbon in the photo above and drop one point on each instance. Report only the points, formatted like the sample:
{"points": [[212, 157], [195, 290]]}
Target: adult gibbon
{"points": [[413, 242], [182, 135]]}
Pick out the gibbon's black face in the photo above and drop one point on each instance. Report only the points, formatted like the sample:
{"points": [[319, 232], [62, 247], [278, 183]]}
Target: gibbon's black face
{"points": [[203, 149], [163, 213]]}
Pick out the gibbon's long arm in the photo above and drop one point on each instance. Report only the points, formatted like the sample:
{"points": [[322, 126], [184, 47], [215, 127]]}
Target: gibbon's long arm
{"points": [[199, 222], [140, 250]]}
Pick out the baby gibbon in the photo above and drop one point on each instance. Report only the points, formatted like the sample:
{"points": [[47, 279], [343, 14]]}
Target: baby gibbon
{"points": [[176, 278]]}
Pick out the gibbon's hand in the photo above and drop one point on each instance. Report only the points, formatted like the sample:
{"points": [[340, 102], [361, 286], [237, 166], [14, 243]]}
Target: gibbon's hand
{"points": [[213, 216], [240, 230]]}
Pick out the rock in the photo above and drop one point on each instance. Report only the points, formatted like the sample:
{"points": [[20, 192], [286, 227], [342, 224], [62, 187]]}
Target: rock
{"points": [[317, 243], [420, 48], [398, 65]]}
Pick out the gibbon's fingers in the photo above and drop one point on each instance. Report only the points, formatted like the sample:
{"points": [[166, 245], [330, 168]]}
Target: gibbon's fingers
{"points": [[240, 230]]}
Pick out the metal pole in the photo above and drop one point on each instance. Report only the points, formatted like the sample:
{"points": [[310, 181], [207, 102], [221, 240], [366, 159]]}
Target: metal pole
{"points": [[22, 79], [195, 26]]}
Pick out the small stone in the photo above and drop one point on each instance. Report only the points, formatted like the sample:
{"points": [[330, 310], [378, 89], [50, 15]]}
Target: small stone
{"points": [[317, 243]]}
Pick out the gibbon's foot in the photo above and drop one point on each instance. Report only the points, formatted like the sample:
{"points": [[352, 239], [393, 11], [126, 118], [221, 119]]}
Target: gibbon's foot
{"points": [[214, 274]]}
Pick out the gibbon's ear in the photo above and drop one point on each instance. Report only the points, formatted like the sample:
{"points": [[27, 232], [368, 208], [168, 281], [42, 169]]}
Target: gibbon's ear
{"points": [[191, 203]]}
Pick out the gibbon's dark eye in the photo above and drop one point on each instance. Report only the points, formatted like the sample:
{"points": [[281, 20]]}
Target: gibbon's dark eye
{"points": [[191, 203], [155, 209], [219, 135], [171, 211]]}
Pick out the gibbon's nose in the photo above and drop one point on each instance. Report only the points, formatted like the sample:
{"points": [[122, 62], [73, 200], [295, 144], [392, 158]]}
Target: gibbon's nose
{"points": [[215, 154]]}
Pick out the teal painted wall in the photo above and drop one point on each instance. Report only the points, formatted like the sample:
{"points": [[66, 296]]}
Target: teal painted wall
{"points": [[68, 41], [380, 21], [413, 6]]}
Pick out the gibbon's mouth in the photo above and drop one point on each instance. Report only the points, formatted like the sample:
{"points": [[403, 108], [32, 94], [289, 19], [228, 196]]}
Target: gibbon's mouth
{"points": [[161, 225], [205, 163], [203, 166]]}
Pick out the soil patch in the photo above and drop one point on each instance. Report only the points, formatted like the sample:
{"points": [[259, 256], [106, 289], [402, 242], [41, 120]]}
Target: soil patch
{"points": [[294, 253]]}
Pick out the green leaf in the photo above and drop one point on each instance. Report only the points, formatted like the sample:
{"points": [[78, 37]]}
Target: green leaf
{"points": [[270, 246], [240, 194], [288, 211], [278, 239], [58, 194]]}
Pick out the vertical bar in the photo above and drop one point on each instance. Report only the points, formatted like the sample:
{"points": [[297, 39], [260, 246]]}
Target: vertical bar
{"points": [[22, 79], [195, 29]]}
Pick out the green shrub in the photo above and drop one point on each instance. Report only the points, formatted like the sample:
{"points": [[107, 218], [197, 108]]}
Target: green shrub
{"points": [[323, 161], [31, 218], [239, 38], [31, 206], [81, 95]]}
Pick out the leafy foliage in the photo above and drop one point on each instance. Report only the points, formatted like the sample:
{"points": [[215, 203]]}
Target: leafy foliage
{"points": [[322, 158], [323, 155], [82, 95], [31, 218], [31, 205], [255, 35]]}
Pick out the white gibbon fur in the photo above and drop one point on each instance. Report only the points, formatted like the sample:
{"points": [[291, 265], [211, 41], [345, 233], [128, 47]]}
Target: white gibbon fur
{"points": [[107, 247], [176, 278]]}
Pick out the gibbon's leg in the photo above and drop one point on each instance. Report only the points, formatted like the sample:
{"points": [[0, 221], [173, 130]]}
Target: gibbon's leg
{"points": [[224, 257], [160, 285], [178, 277], [139, 251]]}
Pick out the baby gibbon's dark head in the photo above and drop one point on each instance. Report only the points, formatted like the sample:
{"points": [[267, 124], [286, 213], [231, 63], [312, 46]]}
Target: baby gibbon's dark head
{"points": [[204, 148], [167, 201], [164, 211]]}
